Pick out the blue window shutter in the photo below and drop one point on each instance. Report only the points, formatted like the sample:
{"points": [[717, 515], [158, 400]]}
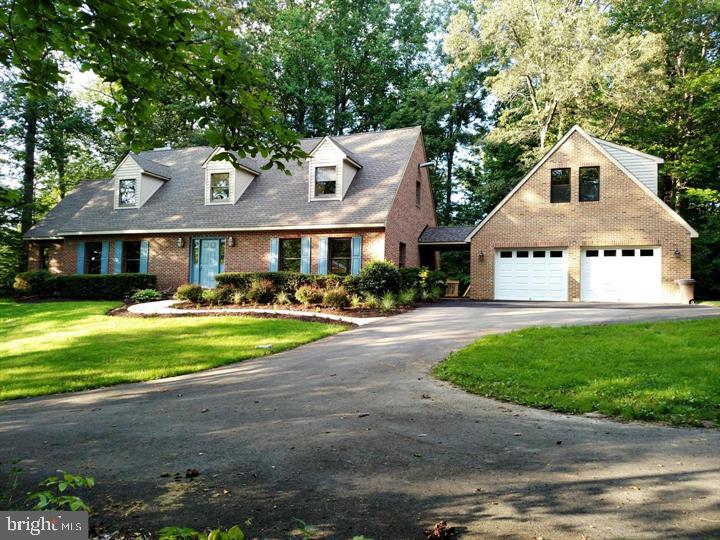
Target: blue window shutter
{"points": [[323, 255], [305, 255], [356, 254], [80, 258], [274, 252], [104, 257], [144, 252], [117, 257]]}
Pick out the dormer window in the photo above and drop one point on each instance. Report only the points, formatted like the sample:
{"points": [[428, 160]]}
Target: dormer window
{"points": [[220, 187], [127, 193], [325, 182]]}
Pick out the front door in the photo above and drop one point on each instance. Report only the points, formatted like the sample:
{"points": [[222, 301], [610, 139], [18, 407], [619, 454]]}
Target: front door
{"points": [[207, 261]]}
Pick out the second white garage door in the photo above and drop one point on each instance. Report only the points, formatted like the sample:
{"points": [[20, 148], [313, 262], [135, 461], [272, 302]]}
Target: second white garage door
{"points": [[621, 274], [531, 274]]}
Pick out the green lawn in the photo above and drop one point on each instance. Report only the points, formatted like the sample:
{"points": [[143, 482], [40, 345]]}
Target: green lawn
{"points": [[666, 371], [67, 346]]}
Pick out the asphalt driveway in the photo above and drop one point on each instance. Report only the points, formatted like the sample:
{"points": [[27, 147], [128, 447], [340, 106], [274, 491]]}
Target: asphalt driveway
{"points": [[353, 435]]}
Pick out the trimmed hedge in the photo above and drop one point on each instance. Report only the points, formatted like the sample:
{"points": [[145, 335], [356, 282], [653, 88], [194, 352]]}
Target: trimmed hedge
{"points": [[82, 286], [282, 281], [379, 277]]}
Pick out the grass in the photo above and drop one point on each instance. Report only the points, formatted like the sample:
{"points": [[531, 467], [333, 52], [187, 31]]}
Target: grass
{"points": [[668, 372], [68, 346], [710, 302]]}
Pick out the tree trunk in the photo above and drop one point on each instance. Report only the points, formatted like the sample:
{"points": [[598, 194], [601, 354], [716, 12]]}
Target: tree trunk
{"points": [[28, 183], [60, 165], [447, 214]]}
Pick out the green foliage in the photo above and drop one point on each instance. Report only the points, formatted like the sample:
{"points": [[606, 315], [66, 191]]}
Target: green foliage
{"points": [[407, 297], [337, 297], [283, 298], [663, 371], [238, 297], [422, 280], [388, 301], [8, 492], [379, 277], [282, 281], [703, 209], [82, 286], [308, 294], [189, 292], [371, 301], [351, 283], [214, 297], [56, 495], [260, 291], [146, 295], [186, 533], [356, 301]]}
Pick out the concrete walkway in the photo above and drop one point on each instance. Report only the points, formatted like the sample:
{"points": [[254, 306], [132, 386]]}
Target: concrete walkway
{"points": [[352, 434], [165, 307]]}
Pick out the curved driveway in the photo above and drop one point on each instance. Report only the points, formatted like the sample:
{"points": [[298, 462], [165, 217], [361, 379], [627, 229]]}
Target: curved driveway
{"points": [[352, 434]]}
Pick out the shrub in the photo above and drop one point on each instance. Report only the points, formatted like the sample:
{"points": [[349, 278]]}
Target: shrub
{"points": [[289, 282], [83, 286], [307, 294], [371, 301], [260, 291], [388, 301], [379, 277], [214, 297], [238, 297], [283, 298], [32, 283], [407, 297], [410, 277], [356, 301], [337, 297], [146, 295], [351, 284], [422, 279], [190, 292]]}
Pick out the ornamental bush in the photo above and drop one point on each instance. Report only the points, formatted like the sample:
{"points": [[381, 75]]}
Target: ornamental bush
{"points": [[146, 295], [82, 286], [308, 294], [190, 292], [282, 281], [261, 291], [337, 297], [379, 277]]}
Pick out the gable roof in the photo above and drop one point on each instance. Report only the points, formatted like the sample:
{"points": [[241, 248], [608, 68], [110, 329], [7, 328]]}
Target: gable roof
{"points": [[599, 147], [272, 201], [148, 166], [445, 234], [349, 155], [244, 163]]}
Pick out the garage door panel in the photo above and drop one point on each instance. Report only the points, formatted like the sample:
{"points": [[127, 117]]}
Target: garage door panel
{"points": [[531, 274], [623, 274]]}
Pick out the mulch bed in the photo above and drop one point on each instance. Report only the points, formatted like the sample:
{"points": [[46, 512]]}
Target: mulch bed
{"points": [[349, 312]]}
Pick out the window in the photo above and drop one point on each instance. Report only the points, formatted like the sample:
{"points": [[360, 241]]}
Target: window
{"points": [[339, 255], [219, 187], [506, 254], [127, 193], [131, 257], [556, 254], [93, 257], [592, 253], [418, 193], [610, 252], [44, 257], [538, 254], [559, 185], [403, 254], [290, 254], [628, 252], [589, 184], [522, 254], [647, 252], [325, 181]]}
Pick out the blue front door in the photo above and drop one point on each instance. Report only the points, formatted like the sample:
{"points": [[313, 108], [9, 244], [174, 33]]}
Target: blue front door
{"points": [[207, 260]]}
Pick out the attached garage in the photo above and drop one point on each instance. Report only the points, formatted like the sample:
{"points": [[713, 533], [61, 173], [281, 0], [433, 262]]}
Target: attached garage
{"points": [[531, 274], [621, 274]]}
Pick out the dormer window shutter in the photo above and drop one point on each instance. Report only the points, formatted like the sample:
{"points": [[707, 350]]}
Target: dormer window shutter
{"points": [[104, 257], [274, 254], [144, 253], [305, 246], [356, 255], [323, 255]]}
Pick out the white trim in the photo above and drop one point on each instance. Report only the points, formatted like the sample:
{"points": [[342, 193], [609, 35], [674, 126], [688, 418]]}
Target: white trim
{"points": [[209, 201], [217, 229], [239, 165], [599, 148], [116, 194], [443, 243], [650, 157], [346, 157], [312, 171]]}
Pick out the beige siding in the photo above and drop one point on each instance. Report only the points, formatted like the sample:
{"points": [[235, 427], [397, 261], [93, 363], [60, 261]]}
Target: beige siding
{"points": [[644, 169], [329, 155]]}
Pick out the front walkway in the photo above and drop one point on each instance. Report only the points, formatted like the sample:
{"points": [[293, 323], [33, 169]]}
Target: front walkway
{"points": [[352, 434]]}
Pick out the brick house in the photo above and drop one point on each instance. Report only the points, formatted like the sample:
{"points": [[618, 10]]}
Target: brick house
{"points": [[184, 216], [585, 224]]}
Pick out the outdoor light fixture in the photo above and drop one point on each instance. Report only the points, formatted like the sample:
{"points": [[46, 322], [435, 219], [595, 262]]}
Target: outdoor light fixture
{"points": [[426, 164], [481, 255], [231, 241], [677, 252], [180, 242]]}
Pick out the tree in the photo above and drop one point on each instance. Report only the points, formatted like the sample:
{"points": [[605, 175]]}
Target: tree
{"points": [[557, 63]]}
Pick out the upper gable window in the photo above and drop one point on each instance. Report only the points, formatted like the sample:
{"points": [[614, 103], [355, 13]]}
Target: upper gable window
{"points": [[325, 181], [219, 187], [127, 193], [589, 184], [418, 193], [559, 185]]}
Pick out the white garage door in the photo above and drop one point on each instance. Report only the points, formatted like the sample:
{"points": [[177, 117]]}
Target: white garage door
{"points": [[620, 274], [531, 274]]}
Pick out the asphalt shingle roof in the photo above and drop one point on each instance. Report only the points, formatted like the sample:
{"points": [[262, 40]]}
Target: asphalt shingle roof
{"points": [[439, 235], [152, 167], [273, 199]]}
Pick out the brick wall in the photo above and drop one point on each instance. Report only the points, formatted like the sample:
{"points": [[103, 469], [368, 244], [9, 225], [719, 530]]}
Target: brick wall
{"points": [[171, 263], [405, 219], [624, 216]]}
